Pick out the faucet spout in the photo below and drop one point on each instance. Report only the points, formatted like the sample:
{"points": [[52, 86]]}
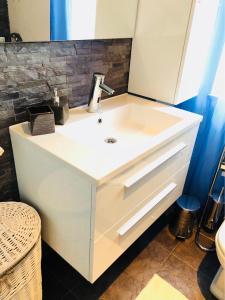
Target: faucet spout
{"points": [[97, 87], [106, 89]]}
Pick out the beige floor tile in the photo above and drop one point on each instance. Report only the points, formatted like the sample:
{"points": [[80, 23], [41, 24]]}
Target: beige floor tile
{"points": [[166, 239], [198, 259], [194, 285], [148, 262], [180, 263], [124, 288]]}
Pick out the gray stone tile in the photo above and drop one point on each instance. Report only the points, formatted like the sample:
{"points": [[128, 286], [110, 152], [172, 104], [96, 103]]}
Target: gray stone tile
{"points": [[6, 109]]}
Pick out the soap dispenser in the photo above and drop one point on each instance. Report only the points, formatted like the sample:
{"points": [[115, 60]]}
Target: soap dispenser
{"points": [[60, 107]]}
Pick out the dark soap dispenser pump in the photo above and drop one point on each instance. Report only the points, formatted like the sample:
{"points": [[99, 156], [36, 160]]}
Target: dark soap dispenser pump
{"points": [[60, 108]]}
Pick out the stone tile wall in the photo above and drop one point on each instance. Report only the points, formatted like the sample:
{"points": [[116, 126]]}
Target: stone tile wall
{"points": [[30, 71]]}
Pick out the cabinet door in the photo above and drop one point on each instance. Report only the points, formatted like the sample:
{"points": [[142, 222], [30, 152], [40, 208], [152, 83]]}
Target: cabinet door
{"points": [[158, 47], [170, 48]]}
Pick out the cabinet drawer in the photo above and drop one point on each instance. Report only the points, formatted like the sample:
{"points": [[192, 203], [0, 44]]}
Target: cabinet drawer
{"points": [[124, 192], [116, 240]]}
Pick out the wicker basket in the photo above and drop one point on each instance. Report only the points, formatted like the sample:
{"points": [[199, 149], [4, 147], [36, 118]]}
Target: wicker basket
{"points": [[20, 252]]}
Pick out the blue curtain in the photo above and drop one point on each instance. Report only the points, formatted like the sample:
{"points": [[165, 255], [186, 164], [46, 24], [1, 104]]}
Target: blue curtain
{"points": [[211, 137], [59, 18]]}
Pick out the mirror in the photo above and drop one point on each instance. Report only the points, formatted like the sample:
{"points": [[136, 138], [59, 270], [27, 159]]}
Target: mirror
{"points": [[61, 20]]}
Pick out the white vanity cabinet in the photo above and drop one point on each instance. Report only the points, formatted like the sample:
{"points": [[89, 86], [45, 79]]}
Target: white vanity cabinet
{"points": [[170, 48], [90, 216]]}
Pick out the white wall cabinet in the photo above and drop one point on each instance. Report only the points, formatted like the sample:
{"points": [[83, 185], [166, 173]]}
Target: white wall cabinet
{"points": [[170, 48]]}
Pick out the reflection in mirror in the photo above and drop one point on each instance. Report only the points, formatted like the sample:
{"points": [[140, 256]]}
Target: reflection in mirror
{"points": [[60, 20], [30, 19], [92, 19], [24, 20], [68, 15]]}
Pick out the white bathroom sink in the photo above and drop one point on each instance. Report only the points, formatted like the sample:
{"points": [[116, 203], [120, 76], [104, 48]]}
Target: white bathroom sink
{"points": [[121, 128], [136, 126]]}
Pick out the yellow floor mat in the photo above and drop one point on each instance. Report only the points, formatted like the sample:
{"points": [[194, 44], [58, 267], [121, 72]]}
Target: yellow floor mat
{"points": [[159, 289]]}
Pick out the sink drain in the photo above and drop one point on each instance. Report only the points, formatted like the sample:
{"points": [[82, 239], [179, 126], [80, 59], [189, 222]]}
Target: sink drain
{"points": [[110, 140]]}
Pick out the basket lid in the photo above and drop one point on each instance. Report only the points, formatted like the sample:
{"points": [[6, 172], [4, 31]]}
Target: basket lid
{"points": [[20, 228]]}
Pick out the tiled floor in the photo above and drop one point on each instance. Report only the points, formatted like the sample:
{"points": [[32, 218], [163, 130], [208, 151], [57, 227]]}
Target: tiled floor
{"points": [[182, 264]]}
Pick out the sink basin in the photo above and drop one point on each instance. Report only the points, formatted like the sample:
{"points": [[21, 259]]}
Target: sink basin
{"points": [[123, 127], [99, 145]]}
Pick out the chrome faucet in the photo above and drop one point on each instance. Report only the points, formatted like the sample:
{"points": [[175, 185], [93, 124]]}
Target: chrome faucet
{"points": [[96, 90]]}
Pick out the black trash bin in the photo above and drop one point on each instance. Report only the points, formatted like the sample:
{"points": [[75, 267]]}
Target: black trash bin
{"points": [[187, 208]]}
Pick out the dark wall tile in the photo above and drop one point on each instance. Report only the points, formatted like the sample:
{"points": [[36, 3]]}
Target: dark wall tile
{"points": [[8, 183], [30, 71]]}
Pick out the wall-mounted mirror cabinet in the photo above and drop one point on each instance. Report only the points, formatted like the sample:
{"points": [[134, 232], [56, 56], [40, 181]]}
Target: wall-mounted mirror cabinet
{"points": [[51, 20], [171, 47]]}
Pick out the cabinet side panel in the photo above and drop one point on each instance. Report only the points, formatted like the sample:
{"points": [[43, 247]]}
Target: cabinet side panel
{"points": [[157, 48], [196, 50], [62, 198]]}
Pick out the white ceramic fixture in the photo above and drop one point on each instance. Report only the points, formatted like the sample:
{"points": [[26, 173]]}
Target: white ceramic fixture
{"points": [[102, 179], [170, 48], [218, 284]]}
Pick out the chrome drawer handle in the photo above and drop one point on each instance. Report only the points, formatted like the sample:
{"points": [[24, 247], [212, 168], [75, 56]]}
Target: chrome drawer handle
{"points": [[146, 209], [153, 165]]}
